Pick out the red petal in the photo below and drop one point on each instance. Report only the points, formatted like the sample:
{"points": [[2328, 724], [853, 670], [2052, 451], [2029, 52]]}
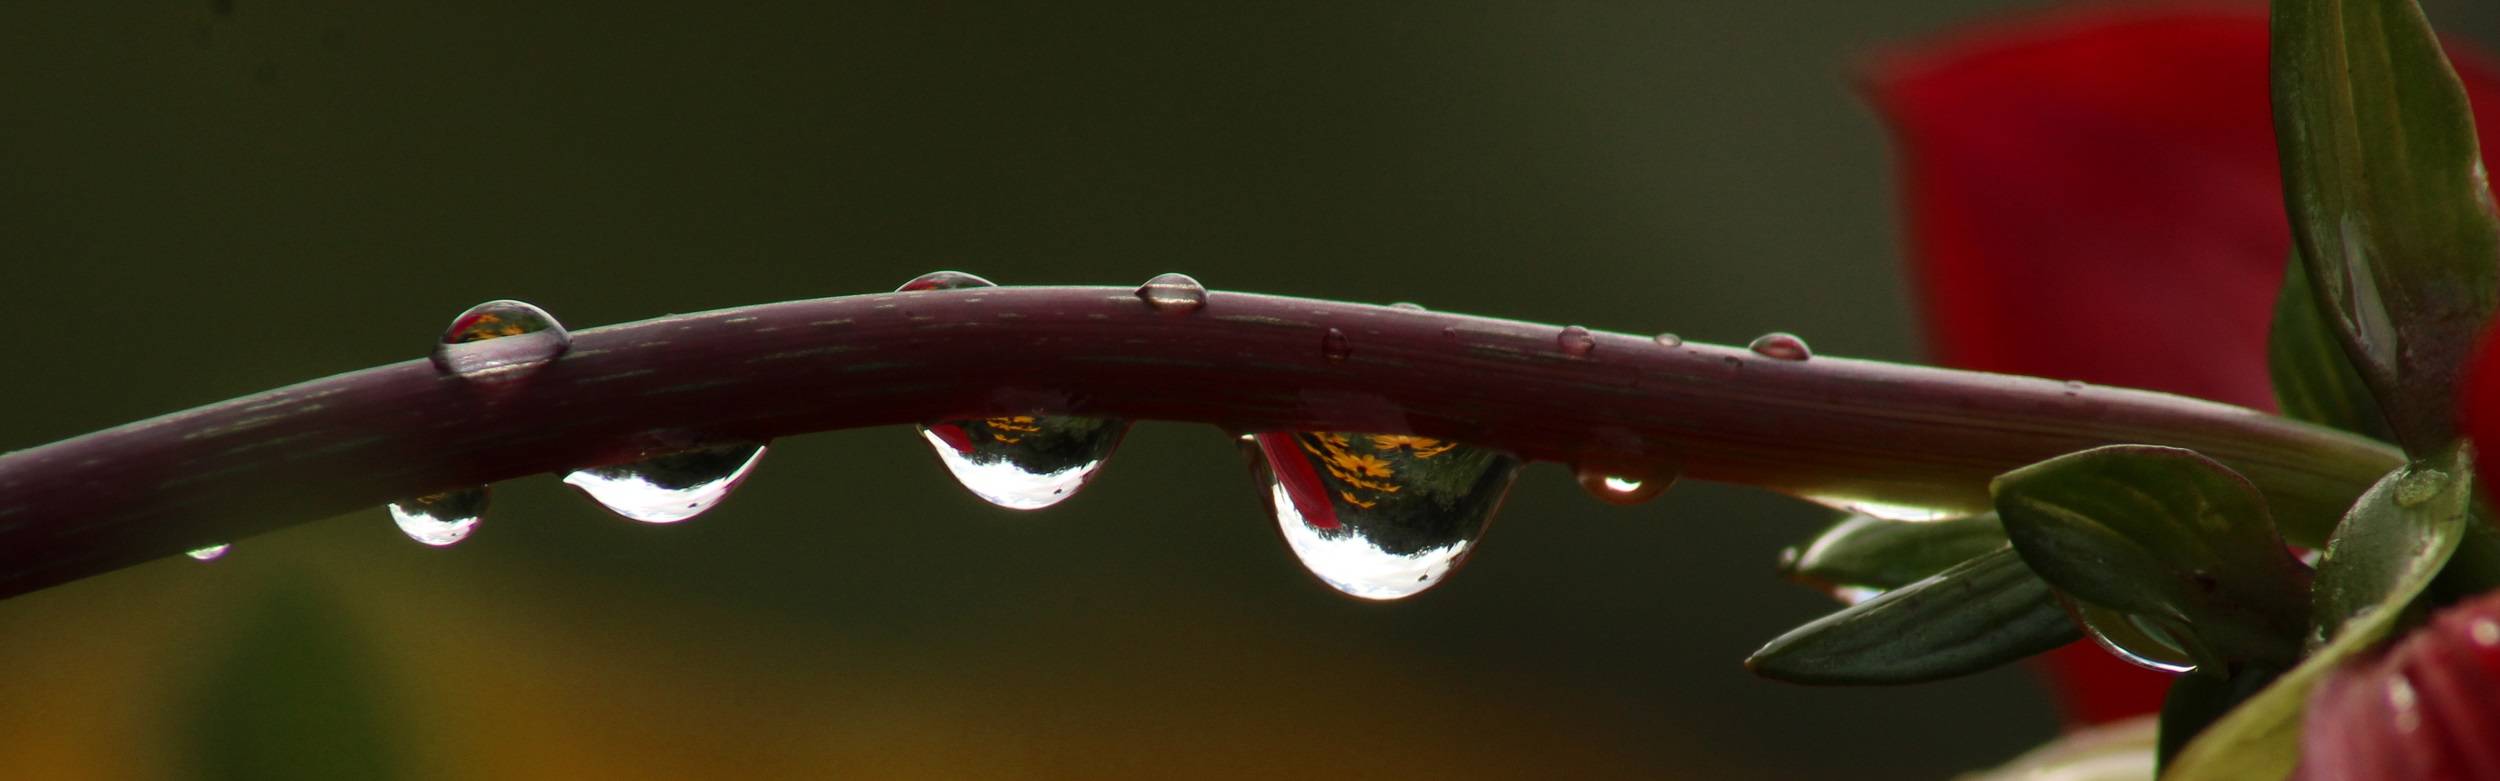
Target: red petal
{"points": [[2094, 195], [2422, 710]]}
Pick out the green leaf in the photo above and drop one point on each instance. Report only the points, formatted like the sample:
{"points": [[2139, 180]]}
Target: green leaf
{"points": [[1973, 616], [2166, 534], [2313, 381], [2389, 208], [298, 693], [2391, 545], [2197, 699], [1865, 551]]}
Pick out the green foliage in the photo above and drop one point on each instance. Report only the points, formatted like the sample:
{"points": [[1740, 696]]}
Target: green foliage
{"points": [[2313, 381], [1869, 552], [2389, 208], [2164, 535], [1973, 616]]}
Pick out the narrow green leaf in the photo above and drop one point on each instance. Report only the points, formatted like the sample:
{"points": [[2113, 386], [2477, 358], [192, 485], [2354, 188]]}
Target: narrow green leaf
{"points": [[2393, 543], [2385, 189], [1869, 552], [1973, 616], [2166, 534], [2313, 381]]}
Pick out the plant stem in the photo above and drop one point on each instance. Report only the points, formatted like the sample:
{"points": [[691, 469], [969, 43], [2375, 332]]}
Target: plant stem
{"points": [[1824, 427]]}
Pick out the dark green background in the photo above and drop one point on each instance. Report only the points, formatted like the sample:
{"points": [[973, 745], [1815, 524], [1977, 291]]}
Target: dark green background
{"points": [[200, 200]]}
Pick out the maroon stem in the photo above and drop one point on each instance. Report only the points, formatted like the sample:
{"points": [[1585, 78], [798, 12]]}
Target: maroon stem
{"points": [[1828, 427]]}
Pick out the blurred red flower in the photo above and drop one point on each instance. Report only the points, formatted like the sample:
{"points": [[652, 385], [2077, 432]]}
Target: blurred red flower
{"points": [[2424, 709], [2093, 194]]}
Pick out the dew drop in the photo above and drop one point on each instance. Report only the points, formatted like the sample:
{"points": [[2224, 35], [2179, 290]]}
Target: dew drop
{"points": [[1333, 345], [440, 519], [1175, 294], [1379, 516], [1575, 341], [1622, 487], [2418, 485], [210, 553], [668, 488], [2132, 641], [500, 340], [943, 280], [1781, 345], [1408, 306], [1668, 340], [1024, 462]]}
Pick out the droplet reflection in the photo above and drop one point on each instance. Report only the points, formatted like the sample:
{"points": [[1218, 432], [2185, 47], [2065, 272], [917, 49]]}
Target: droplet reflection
{"points": [[1024, 462], [1379, 516], [668, 488], [500, 340], [440, 519]]}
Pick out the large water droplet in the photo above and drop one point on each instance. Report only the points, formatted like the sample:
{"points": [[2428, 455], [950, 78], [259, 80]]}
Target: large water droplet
{"points": [[500, 340], [1025, 462], [1618, 486], [1784, 346], [1334, 347], [943, 280], [210, 553], [2133, 641], [1175, 294], [669, 488], [440, 519], [1379, 516], [1576, 341]]}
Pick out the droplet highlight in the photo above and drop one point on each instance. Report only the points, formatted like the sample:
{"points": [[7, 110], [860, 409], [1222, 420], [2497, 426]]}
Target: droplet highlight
{"points": [[943, 280], [1379, 516], [1576, 341], [1668, 340], [210, 553], [440, 519], [1622, 487], [1025, 462], [1781, 345], [1333, 345], [500, 340], [1175, 294], [669, 488]]}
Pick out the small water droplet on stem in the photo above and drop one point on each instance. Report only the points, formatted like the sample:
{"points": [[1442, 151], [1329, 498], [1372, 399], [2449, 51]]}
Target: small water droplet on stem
{"points": [[500, 340], [1668, 340], [1781, 345], [1334, 347], [1175, 294], [1575, 341], [1618, 486], [943, 280]]}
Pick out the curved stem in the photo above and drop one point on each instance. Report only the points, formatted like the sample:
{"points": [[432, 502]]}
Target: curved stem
{"points": [[1825, 427]]}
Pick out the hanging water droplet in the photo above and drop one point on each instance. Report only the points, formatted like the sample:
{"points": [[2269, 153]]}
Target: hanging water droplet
{"points": [[1668, 340], [668, 488], [1622, 486], [500, 340], [1175, 294], [1379, 516], [1575, 341], [1408, 306], [1333, 345], [943, 280], [210, 553], [1025, 462], [2132, 640], [440, 519], [1781, 345], [2418, 485]]}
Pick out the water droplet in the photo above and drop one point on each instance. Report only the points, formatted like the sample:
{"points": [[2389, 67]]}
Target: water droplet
{"points": [[1175, 294], [2418, 485], [1620, 486], [1333, 345], [500, 340], [1379, 516], [1668, 340], [210, 553], [2132, 640], [1024, 462], [668, 488], [1408, 306], [943, 280], [440, 519], [1851, 595], [1575, 341], [1781, 345]]}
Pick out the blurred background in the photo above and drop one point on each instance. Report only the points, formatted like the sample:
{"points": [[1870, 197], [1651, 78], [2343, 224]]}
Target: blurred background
{"points": [[204, 199]]}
